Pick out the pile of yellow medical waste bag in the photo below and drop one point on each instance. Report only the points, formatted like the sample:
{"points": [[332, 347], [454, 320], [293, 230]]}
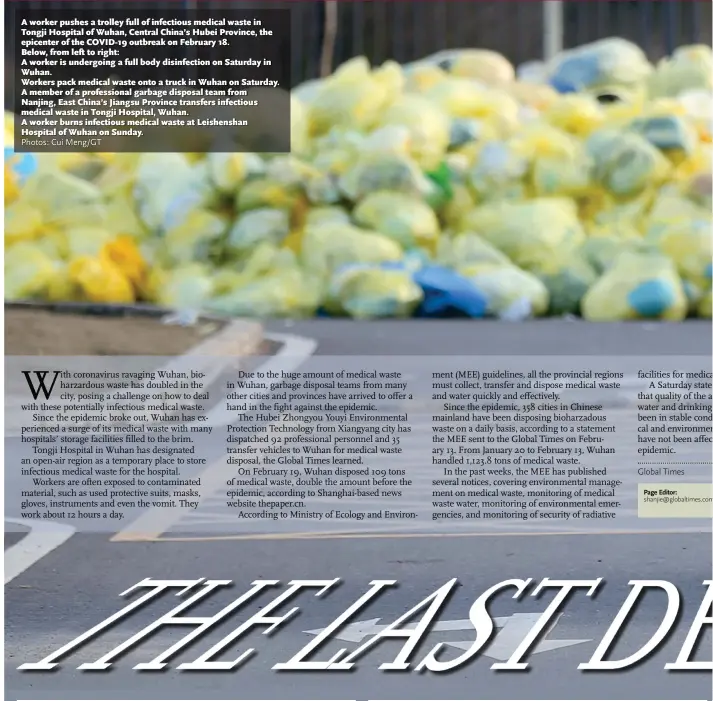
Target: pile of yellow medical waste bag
{"points": [[453, 186]]}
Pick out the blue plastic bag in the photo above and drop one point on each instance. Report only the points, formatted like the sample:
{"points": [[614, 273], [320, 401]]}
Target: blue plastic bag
{"points": [[575, 74], [23, 165], [447, 293], [605, 64]]}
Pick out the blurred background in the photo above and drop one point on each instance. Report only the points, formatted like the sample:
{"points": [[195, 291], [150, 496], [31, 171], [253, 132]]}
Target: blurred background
{"points": [[406, 31]]}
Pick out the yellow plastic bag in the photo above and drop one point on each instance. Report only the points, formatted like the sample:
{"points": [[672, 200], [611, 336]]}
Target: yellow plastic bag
{"points": [[426, 124], [319, 215], [420, 76], [264, 259], [101, 281], [323, 189], [287, 292], [28, 271], [82, 165], [119, 175], [531, 232], [560, 165], [261, 193], [577, 114], [453, 212], [121, 216], [257, 226], [699, 190], [561, 176], [696, 105], [690, 246], [340, 149], [83, 241], [63, 287], [388, 138], [512, 293], [365, 292], [288, 170], [460, 97], [64, 200], [641, 285], [499, 172], [467, 134], [620, 112], [328, 246], [626, 164], [229, 171], [611, 63], [532, 95], [605, 215], [354, 96], [12, 186], [689, 68], [196, 239], [168, 187], [673, 135], [123, 253], [469, 250], [185, 287], [488, 67], [601, 252], [52, 243], [23, 222], [384, 171], [403, 218], [670, 209]]}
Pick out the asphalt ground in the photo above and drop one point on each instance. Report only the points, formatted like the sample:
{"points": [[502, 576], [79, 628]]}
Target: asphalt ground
{"points": [[77, 585], [544, 337], [15, 535]]}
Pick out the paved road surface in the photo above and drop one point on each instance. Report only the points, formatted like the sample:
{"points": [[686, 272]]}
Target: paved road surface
{"points": [[77, 585], [545, 337]]}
